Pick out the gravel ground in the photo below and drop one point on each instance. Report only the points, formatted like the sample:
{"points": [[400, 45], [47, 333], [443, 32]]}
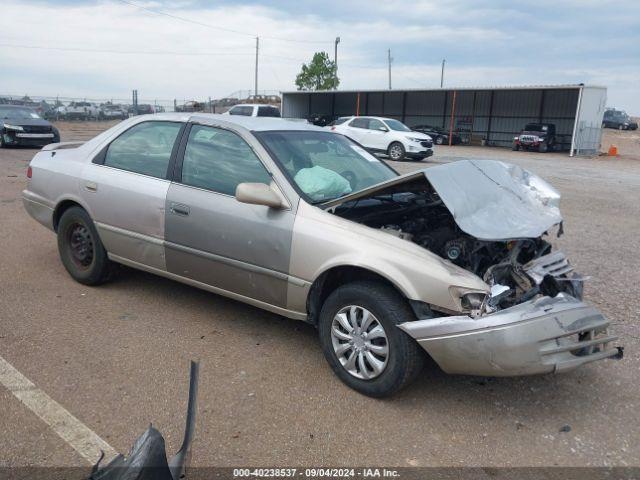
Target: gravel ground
{"points": [[117, 356]]}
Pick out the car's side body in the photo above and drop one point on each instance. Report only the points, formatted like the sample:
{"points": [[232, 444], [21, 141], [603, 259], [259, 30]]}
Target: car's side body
{"points": [[439, 135], [376, 135], [287, 258]]}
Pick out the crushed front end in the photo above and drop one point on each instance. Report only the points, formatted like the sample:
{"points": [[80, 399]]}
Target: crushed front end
{"points": [[493, 220], [544, 335]]}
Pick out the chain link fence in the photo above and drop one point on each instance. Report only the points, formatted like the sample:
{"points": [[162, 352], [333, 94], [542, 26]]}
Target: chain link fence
{"points": [[105, 108]]}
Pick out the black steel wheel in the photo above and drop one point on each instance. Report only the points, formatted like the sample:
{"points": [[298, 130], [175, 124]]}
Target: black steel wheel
{"points": [[80, 248]]}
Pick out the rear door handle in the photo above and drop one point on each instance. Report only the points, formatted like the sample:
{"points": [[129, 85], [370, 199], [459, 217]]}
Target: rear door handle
{"points": [[180, 209]]}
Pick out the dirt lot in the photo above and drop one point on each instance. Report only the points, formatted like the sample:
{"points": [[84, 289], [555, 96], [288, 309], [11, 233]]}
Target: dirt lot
{"points": [[116, 356]]}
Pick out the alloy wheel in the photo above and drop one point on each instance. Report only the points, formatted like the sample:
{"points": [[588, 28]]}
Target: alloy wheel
{"points": [[395, 152]]}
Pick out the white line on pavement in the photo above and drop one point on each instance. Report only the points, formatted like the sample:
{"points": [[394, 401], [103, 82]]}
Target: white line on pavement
{"points": [[83, 440]]}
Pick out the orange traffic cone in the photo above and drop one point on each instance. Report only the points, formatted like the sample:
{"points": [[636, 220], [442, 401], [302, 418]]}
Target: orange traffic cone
{"points": [[613, 151]]}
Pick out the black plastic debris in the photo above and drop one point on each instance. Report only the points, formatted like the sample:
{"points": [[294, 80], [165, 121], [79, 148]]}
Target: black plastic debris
{"points": [[147, 459]]}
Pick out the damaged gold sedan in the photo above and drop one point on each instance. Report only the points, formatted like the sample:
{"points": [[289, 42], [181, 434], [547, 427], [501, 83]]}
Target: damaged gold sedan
{"points": [[453, 260]]}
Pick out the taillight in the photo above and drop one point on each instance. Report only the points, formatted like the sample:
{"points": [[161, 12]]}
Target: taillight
{"points": [[29, 171]]}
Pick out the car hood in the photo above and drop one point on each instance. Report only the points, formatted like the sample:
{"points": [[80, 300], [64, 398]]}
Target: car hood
{"points": [[533, 132], [489, 200], [414, 134], [38, 122]]}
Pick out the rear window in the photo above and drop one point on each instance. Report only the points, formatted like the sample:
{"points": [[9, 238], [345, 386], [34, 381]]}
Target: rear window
{"points": [[268, 111]]}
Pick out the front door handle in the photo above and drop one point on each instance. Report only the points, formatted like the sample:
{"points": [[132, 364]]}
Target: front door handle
{"points": [[180, 209]]}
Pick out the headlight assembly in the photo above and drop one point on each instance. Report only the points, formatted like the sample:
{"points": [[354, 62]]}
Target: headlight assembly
{"points": [[13, 127]]}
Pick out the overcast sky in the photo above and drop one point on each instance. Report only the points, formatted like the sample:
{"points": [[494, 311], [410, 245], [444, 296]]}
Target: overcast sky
{"points": [[119, 46]]}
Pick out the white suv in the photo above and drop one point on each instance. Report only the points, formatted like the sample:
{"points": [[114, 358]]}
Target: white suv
{"points": [[254, 110], [385, 135]]}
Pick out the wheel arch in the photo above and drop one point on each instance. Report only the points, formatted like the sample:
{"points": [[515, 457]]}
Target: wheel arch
{"points": [[333, 278], [61, 207]]}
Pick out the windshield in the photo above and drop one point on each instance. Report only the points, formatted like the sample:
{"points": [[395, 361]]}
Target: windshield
{"points": [[17, 113], [535, 127], [324, 165], [397, 126]]}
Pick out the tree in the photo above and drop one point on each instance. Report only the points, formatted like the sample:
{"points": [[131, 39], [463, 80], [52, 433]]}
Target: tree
{"points": [[320, 74]]}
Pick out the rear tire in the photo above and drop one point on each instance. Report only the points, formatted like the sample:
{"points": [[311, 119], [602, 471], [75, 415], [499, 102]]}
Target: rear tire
{"points": [[620, 127], [515, 147], [81, 250], [386, 309], [439, 140], [396, 151]]}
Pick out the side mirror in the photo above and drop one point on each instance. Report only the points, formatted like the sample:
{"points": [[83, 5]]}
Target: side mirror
{"points": [[259, 194], [383, 129]]}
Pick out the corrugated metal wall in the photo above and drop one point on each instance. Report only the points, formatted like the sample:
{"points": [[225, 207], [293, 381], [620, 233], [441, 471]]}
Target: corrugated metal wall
{"points": [[495, 116]]}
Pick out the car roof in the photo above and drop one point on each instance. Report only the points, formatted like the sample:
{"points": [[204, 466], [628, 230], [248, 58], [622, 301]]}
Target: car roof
{"points": [[256, 124], [254, 105]]}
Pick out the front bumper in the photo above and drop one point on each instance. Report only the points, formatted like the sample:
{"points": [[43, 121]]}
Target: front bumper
{"points": [[419, 154], [16, 138], [540, 336]]}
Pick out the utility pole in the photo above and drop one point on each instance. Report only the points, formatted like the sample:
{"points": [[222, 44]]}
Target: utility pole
{"points": [[390, 60], [335, 62], [257, 49], [442, 73]]}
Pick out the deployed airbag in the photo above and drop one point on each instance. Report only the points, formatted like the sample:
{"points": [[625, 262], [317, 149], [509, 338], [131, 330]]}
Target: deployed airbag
{"points": [[320, 183]]}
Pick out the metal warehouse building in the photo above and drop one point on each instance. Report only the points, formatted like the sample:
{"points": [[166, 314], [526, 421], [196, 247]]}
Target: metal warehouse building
{"points": [[482, 116]]}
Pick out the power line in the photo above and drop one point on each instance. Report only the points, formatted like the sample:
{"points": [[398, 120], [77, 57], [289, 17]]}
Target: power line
{"points": [[124, 52], [215, 27], [188, 20]]}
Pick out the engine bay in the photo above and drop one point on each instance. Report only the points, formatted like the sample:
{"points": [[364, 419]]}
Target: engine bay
{"points": [[520, 269]]}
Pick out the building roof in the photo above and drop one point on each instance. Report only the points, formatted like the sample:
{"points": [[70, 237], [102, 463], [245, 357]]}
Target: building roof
{"points": [[503, 87]]}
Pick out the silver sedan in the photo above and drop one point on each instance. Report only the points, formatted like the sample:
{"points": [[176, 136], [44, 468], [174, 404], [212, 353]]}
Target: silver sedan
{"points": [[454, 261]]}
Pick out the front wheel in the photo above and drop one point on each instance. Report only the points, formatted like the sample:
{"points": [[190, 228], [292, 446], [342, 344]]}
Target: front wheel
{"points": [[543, 147], [439, 140], [80, 248], [620, 127], [396, 151], [360, 338]]}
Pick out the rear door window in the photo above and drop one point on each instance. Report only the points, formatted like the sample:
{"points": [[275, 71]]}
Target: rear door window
{"points": [[145, 148], [360, 123]]}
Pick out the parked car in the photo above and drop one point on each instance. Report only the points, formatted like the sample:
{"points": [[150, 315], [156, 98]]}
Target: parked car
{"points": [[111, 112], [22, 126], [254, 110], [439, 135], [537, 136], [143, 109], [303, 222], [386, 135], [81, 111], [618, 119]]}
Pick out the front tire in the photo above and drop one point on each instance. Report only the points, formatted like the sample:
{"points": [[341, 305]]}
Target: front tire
{"points": [[361, 341], [80, 248], [439, 140], [396, 151], [543, 147]]}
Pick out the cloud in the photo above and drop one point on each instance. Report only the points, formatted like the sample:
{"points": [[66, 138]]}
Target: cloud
{"points": [[504, 42]]}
